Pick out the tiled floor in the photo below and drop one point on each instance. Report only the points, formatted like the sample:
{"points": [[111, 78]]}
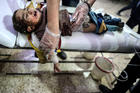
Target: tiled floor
{"points": [[47, 82]]}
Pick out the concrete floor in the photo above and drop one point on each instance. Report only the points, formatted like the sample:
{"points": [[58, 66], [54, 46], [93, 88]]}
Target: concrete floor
{"points": [[47, 81]]}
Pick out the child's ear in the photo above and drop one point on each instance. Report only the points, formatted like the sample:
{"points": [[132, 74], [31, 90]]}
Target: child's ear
{"points": [[30, 28]]}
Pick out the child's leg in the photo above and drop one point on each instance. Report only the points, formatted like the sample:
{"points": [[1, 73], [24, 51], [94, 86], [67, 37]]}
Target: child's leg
{"points": [[113, 28], [56, 67], [90, 28]]}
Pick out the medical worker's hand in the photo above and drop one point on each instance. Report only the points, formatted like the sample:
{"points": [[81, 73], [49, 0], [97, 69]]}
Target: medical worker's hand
{"points": [[49, 43], [79, 15]]}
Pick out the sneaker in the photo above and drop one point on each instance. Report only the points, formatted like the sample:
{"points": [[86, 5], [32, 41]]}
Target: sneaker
{"points": [[62, 55], [120, 24], [104, 89], [120, 29]]}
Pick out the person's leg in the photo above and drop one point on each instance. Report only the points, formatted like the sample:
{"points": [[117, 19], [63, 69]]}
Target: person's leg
{"points": [[130, 6], [132, 71], [113, 28], [112, 21], [123, 9], [136, 87], [131, 22], [121, 86]]}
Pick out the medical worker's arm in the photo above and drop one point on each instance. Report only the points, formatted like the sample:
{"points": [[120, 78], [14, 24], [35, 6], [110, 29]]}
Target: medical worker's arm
{"points": [[81, 11], [51, 35]]}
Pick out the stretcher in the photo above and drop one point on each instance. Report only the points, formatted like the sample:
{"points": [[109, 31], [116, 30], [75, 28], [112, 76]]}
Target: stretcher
{"points": [[125, 41]]}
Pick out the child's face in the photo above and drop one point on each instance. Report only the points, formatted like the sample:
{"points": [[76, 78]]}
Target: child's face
{"points": [[29, 15]]}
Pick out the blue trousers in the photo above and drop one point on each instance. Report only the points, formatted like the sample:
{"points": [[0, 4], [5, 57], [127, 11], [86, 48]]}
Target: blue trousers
{"points": [[112, 27]]}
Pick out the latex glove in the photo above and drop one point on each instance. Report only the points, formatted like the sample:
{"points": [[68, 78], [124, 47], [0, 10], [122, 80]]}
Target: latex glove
{"points": [[52, 56], [48, 44], [79, 15]]}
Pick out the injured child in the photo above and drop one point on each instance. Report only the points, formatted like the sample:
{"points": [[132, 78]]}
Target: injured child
{"points": [[30, 20], [96, 23]]}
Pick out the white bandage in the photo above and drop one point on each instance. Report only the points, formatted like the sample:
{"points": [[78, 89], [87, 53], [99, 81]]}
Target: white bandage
{"points": [[51, 33], [53, 58], [49, 41]]}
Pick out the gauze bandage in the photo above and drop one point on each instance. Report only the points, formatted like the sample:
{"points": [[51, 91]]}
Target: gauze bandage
{"points": [[48, 44], [52, 56]]}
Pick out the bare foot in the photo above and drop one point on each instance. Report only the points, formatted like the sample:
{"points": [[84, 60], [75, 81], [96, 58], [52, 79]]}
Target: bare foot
{"points": [[56, 68]]}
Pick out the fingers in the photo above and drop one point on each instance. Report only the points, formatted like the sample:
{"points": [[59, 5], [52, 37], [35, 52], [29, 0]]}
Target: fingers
{"points": [[75, 15], [79, 20], [75, 19]]}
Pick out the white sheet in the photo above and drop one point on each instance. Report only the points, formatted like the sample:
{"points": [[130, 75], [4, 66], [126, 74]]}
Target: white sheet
{"points": [[124, 41], [7, 32]]}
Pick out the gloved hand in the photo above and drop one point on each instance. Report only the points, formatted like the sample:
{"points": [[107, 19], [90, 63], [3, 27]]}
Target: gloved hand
{"points": [[52, 56], [48, 44], [79, 15]]}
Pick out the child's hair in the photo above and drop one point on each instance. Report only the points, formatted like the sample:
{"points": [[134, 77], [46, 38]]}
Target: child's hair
{"points": [[19, 25]]}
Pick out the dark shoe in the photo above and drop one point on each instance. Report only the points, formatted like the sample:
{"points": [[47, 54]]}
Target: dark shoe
{"points": [[62, 54], [120, 29], [120, 24], [104, 89]]}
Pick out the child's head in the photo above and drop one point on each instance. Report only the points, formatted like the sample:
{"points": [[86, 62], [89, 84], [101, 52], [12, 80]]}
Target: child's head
{"points": [[25, 20]]}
